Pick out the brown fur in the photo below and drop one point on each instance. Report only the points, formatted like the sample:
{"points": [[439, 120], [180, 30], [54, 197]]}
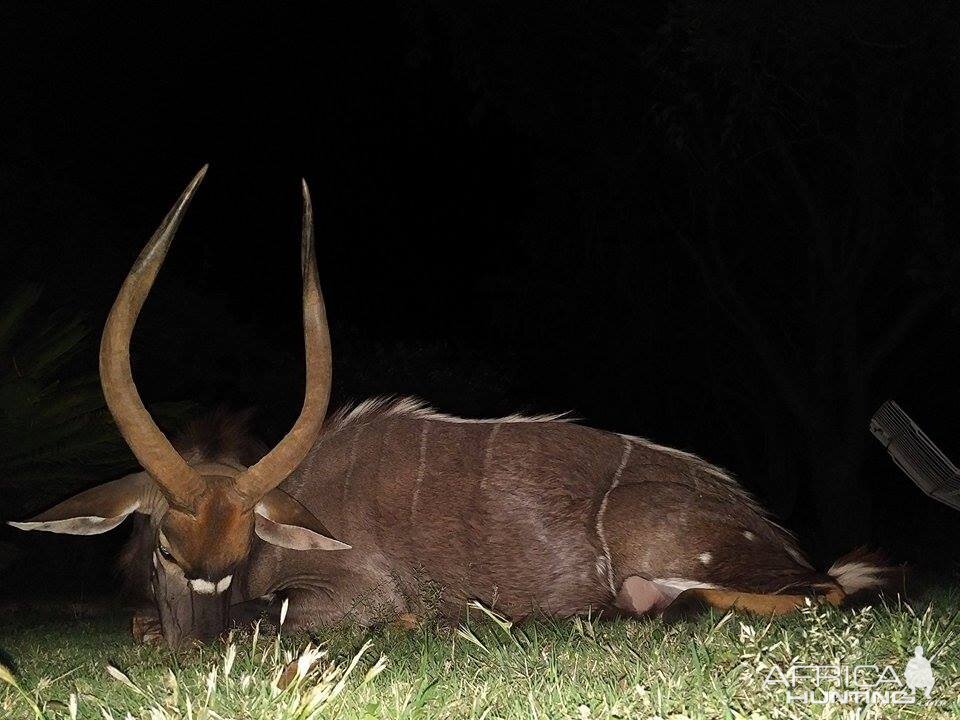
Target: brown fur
{"points": [[133, 564], [220, 436], [526, 516], [215, 539], [693, 601], [507, 513]]}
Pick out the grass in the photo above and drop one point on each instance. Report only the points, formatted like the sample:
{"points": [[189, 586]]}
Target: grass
{"points": [[714, 667]]}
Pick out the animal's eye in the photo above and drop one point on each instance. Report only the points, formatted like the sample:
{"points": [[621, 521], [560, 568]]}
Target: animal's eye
{"points": [[164, 553]]}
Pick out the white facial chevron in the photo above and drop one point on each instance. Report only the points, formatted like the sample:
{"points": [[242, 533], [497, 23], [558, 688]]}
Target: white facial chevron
{"points": [[206, 587]]}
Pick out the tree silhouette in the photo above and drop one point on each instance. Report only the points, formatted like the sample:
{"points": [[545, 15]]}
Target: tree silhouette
{"points": [[796, 209]]}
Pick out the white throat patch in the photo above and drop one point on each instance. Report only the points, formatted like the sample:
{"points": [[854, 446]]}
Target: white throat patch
{"points": [[206, 587]]}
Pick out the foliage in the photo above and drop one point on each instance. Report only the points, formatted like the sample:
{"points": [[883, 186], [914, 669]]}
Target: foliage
{"points": [[741, 239], [56, 433], [786, 131], [486, 668]]}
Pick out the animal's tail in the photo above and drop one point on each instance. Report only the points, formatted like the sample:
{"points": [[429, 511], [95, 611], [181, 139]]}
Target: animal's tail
{"points": [[863, 573]]}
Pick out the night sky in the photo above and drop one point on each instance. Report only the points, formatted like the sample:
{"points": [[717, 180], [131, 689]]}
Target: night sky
{"points": [[731, 230]]}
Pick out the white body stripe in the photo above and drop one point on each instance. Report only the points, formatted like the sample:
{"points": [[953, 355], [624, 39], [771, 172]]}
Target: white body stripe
{"points": [[627, 448], [421, 470]]}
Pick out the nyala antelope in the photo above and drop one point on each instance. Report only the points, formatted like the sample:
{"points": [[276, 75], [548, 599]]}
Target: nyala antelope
{"points": [[349, 516]]}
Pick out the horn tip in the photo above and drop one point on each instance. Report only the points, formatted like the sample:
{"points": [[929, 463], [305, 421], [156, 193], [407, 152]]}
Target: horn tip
{"points": [[306, 233], [200, 174]]}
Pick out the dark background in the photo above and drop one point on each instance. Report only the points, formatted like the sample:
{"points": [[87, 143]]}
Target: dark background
{"points": [[731, 228]]}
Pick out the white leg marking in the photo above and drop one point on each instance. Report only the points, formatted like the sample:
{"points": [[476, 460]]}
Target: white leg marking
{"points": [[673, 586], [224, 584], [627, 448], [348, 476], [705, 558]]}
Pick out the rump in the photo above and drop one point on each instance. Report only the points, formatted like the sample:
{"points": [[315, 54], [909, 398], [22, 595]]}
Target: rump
{"points": [[671, 533]]}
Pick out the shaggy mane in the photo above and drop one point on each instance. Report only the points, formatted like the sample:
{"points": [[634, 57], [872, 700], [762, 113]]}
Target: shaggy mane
{"points": [[380, 407], [220, 436]]}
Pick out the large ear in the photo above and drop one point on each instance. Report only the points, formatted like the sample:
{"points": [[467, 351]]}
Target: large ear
{"points": [[281, 520], [98, 509]]}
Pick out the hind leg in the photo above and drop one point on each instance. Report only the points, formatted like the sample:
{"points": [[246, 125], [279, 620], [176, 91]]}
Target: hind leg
{"points": [[695, 601], [667, 541], [639, 596], [655, 531]]}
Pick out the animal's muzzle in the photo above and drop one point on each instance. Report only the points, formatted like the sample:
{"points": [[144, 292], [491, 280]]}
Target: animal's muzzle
{"points": [[186, 615]]}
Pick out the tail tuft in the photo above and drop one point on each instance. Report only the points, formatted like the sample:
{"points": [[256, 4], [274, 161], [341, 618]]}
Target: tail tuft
{"points": [[862, 571]]}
